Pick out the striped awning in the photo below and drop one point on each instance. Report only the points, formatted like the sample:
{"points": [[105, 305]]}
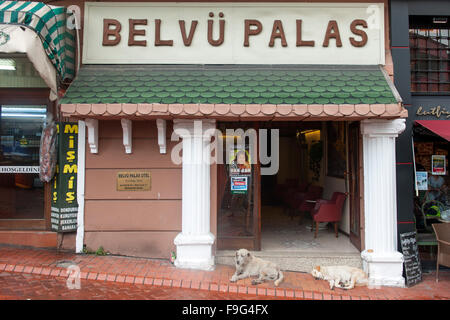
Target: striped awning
{"points": [[49, 23]]}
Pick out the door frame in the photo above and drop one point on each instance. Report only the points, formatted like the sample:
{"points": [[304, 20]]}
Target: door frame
{"points": [[32, 96], [356, 201]]}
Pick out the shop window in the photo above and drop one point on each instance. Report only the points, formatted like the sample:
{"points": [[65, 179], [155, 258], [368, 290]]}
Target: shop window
{"points": [[21, 191], [429, 41], [432, 202]]}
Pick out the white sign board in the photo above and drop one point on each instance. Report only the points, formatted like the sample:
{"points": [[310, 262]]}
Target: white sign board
{"points": [[233, 33], [19, 169]]}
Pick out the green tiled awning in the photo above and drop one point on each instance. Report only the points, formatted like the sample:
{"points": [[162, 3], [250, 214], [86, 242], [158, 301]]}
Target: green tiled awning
{"points": [[237, 91], [229, 85]]}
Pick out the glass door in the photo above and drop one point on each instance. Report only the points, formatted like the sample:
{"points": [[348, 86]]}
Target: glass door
{"points": [[238, 223], [21, 191]]}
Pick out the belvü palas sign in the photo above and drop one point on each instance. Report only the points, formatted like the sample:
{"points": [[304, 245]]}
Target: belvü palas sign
{"points": [[64, 208], [234, 33]]}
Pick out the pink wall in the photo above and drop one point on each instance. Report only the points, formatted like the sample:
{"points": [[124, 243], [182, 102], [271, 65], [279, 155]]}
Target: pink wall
{"points": [[136, 223]]}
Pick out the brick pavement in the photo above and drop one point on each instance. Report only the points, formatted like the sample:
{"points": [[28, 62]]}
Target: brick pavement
{"points": [[26, 286], [161, 273]]}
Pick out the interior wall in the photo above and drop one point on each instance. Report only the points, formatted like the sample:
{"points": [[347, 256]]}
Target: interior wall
{"points": [[290, 160], [311, 137], [25, 75]]}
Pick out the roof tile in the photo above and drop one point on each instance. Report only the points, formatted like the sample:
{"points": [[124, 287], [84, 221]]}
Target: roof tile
{"points": [[144, 108], [235, 85]]}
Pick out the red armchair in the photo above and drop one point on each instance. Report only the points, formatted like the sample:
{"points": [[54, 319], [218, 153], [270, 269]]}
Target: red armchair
{"points": [[329, 211]]}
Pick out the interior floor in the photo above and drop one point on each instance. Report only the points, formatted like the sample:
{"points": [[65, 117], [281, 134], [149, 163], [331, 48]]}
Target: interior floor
{"points": [[280, 232]]}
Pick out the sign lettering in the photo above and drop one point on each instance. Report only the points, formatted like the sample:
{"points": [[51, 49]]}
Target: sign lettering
{"points": [[436, 112], [133, 181]]}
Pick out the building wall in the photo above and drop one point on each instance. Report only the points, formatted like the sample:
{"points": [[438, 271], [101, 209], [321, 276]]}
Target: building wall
{"points": [[400, 12], [136, 223], [139, 223]]}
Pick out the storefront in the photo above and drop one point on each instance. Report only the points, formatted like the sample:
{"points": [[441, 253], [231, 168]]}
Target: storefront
{"points": [[420, 48], [191, 115], [36, 60]]}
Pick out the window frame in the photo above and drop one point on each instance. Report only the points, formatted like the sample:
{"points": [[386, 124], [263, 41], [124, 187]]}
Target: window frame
{"points": [[433, 75]]}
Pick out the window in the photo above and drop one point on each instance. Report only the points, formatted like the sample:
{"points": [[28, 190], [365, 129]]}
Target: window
{"points": [[429, 41], [21, 191]]}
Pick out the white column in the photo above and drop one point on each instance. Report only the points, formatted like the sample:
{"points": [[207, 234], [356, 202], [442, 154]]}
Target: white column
{"points": [[81, 166], [194, 243], [381, 260]]}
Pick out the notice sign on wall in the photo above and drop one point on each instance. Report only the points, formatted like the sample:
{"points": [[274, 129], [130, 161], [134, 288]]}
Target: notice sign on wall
{"points": [[133, 181], [64, 209], [438, 164]]}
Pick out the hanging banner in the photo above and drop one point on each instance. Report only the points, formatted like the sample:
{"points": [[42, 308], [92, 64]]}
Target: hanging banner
{"points": [[64, 208]]}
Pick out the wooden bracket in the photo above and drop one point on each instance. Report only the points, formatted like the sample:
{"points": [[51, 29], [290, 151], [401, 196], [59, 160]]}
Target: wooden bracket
{"points": [[162, 125], [127, 134], [92, 126]]}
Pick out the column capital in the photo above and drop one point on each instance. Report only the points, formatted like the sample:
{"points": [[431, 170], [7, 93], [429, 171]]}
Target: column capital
{"points": [[186, 128], [373, 127]]}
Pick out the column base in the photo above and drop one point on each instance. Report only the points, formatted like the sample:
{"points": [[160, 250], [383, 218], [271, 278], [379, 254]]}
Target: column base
{"points": [[384, 269], [194, 251]]}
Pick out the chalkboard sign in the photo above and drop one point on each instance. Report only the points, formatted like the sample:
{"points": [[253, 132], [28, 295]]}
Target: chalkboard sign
{"points": [[413, 269]]}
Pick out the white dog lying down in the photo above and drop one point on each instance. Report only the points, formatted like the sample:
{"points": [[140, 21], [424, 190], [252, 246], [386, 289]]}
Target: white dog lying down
{"points": [[341, 276], [247, 265]]}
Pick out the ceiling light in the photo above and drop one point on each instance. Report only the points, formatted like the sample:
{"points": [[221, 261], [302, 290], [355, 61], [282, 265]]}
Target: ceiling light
{"points": [[7, 64]]}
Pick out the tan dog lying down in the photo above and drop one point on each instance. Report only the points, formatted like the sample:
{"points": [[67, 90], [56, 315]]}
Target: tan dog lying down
{"points": [[343, 277], [247, 265]]}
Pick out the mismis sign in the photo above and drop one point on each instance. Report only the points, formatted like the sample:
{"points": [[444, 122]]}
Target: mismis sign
{"points": [[234, 33], [64, 208]]}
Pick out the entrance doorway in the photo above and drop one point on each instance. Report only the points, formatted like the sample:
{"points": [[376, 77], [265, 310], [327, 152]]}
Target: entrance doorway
{"points": [[281, 219]]}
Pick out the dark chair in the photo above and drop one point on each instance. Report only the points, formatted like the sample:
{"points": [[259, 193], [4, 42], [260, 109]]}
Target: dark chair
{"points": [[442, 231], [280, 189], [329, 211], [308, 202]]}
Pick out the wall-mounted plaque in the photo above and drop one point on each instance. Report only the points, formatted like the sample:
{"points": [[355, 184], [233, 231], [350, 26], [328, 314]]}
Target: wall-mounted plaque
{"points": [[133, 181]]}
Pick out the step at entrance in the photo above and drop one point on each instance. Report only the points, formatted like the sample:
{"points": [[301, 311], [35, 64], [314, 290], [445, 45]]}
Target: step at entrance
{"points": [[295, 260]]}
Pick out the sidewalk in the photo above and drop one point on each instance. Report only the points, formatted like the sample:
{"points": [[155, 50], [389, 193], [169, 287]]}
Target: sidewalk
{"points": [[296, 285]]}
